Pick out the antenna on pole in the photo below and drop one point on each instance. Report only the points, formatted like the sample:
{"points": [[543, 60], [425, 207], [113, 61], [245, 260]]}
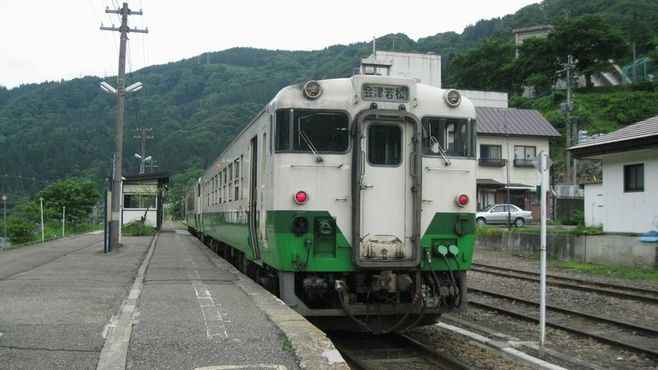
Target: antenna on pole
{"points": [[374, 47]]}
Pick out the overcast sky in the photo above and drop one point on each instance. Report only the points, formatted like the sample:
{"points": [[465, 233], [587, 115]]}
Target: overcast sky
{"points": [[44, 40]]}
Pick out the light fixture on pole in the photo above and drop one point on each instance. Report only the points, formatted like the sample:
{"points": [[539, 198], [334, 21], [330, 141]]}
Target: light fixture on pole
{"points": [[43, 235], [142, 160]]}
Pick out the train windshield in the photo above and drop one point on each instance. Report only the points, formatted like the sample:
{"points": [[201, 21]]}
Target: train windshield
{"points": [[311, 131], [453, 137]]}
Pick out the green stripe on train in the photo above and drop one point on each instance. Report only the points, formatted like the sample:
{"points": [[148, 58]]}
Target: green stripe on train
{"points": [[325, 248]]}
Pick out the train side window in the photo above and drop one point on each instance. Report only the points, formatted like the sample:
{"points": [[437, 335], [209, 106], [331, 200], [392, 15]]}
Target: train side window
{"points": [[384, 145], [219, 187], [236, 166], [282, 141]]}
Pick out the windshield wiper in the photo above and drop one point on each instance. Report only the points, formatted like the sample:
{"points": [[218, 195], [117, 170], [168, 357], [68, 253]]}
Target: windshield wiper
{"points": [[433, 142], [308, 142]]}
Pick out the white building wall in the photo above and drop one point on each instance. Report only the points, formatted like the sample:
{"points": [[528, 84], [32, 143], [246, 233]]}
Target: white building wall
{"points": [[630, 212], [425, 68], [492, 99], [130, 215], [523, 175]]}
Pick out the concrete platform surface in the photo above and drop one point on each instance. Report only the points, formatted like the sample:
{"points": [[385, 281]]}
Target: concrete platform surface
{"points": [[165, 302]]}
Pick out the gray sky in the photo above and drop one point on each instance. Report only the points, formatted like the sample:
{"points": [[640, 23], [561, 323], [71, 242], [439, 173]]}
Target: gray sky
{"points": [[45, 40]]}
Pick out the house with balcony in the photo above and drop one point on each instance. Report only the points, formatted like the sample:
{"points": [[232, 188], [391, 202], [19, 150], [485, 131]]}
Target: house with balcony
{"points": [[508, 140], [626, 199]]}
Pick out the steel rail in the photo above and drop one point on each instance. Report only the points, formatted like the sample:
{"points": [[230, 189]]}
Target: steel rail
{"points": [[624, 324], [413, 352], [594, 286], [649, 351]]}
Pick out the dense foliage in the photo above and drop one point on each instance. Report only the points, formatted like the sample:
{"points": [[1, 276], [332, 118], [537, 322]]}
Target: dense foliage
{"points": [[54, 130]]}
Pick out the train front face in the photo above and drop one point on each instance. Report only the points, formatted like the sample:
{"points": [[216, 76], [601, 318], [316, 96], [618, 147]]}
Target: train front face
{"points": [[384, 213]]}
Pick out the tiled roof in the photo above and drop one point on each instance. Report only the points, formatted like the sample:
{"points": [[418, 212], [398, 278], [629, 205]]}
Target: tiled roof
{"points": [[638, 130], [511, 121]]}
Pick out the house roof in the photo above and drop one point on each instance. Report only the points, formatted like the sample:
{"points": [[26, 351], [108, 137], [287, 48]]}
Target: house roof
{"points": [[636, 136], [512, 121]]}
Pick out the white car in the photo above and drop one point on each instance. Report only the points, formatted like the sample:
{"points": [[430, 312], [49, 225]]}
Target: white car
{"points": [[498, 214]]}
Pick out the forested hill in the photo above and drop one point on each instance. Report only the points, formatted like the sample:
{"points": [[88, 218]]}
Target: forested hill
{"points": [[196, 106]]}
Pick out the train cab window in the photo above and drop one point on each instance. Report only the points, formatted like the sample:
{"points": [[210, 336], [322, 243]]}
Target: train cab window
{"points": [[311, 131], [384, 145], [448, 136]]}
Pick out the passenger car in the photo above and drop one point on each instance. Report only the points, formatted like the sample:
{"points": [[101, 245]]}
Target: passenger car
{"points": [[497, 214]]}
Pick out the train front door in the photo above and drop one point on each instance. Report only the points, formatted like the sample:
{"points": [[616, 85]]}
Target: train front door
{"points": [[387, 225]]}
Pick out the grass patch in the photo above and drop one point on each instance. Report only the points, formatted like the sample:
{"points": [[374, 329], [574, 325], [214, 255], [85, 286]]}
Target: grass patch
{"points": [[486, 230], [579, 230], [622, 272], [137, 228], [287, 346]]}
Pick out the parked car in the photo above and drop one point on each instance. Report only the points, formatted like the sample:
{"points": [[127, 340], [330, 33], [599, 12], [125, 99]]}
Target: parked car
{"points": [[498, 213]]}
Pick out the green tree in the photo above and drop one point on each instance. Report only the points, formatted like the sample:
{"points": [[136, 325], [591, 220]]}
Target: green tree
{"points": [[77, 195], [487, 67], [536, 64], [20, 230], [591, 40]]}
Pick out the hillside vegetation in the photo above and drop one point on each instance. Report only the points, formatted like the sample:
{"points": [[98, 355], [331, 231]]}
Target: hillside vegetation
{"points": [[196, 106]]}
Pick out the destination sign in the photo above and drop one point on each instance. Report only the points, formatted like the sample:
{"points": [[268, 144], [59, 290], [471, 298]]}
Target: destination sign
{"points": [[390, 93]]}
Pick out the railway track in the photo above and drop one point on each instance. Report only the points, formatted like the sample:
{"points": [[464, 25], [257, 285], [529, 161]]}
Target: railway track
{"points": [[619, 333], [616, 290], [392, 351]]}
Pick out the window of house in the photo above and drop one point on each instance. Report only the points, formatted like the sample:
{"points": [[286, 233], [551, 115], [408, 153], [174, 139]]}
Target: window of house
{"points": [[139, 201], [634, 177], [524, 155], [491, 155], [491, 151]]}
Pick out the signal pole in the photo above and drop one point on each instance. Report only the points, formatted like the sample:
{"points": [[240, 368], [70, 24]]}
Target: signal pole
{"points": [[121, 97], [142, 136]]}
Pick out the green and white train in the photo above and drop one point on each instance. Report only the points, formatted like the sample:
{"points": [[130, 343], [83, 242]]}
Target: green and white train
{"points": [[350, 199]]}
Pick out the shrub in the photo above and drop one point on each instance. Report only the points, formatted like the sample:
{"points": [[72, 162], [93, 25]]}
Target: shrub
{"points": [[20, 230], [486, 230], [137, 228], [577, 219]]}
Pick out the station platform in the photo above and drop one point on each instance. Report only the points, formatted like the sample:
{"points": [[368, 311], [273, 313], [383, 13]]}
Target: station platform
{"points": [[165, 302]]}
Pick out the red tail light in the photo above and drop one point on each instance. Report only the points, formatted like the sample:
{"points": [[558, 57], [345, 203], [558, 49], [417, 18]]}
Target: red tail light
{"points": [[301, 197], [462, 200]]}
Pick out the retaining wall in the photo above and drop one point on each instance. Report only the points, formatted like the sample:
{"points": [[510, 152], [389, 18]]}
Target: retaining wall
{"points": [[602, 249]]}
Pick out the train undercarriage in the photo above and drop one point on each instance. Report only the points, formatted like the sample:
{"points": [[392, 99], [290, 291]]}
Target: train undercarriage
{"points": [[375, 301]]}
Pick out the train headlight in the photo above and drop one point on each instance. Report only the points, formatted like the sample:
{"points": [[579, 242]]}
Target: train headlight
{"points": [[301, 197], [312, 89], [462, 200], [452, 97]]}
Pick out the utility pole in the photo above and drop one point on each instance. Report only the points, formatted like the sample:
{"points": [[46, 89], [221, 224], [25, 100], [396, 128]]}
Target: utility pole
{"points": [[121, 97], [569, 68], [142, 136]]}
